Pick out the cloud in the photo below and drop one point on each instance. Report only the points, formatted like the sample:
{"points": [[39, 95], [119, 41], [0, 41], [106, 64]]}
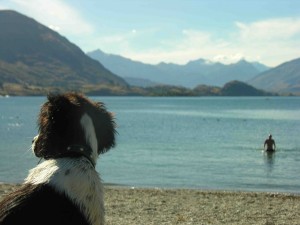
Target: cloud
{"points": [[228, 58], [55, 14], [195, 37], [188, 45], [184, 47], [269, 30], [56, 28], [180, 48], [115, 43], [271, 41]]}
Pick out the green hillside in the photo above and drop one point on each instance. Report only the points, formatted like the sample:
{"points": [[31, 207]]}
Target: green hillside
{"points": [[35, 57]]}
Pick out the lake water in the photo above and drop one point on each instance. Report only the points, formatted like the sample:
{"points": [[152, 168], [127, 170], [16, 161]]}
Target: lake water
{"points": [[203, 143]]}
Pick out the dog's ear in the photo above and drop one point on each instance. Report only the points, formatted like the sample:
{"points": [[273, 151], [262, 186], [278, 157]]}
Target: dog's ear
{"points": [[57, 124], [105, 127]]}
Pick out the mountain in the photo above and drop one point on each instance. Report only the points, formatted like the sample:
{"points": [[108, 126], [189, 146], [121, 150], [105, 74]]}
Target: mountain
{"points": [[189, 75], [260, 67], [203, 72], [284, 78], [129, 69], [35, 56]]}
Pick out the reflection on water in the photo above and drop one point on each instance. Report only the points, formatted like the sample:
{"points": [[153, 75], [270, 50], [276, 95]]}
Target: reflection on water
{"points": [[269, 159]]}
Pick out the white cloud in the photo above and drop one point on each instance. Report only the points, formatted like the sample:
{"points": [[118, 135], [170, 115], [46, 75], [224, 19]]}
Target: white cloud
{"points": [[189, 44], [269, 30], [56, 28], [195, 37], [116, 43], [269, 41], [227, 59], [55, 14], [273, 41]]}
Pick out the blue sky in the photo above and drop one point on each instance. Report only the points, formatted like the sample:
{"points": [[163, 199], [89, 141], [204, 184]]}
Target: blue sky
{"points": [[175, 31]]}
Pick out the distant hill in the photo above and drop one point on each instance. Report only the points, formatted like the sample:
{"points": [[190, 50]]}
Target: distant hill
{"points": [[232, 88], [189, 75], [284, 78], [140, 82], [237, 88], [34, 57]]}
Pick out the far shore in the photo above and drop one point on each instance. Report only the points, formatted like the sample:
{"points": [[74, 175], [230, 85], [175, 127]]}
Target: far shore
{"points": [[136, 206]]}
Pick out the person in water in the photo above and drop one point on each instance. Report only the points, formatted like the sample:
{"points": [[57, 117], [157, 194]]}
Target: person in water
{"points": [[270, 143]]}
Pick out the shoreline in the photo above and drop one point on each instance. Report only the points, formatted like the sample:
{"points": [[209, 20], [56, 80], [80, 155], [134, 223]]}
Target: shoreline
{"points": [[115, 185], [135, 206]]}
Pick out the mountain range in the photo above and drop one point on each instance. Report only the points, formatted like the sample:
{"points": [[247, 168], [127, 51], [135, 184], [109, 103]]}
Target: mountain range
{"points": [[189, 75], [33, 56], [283, 79], [35, 60]]}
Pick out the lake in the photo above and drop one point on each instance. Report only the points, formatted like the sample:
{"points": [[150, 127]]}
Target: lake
{"points": [[177, 142]]}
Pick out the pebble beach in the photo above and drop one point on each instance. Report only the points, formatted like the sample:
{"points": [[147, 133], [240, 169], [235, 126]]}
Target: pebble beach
{"points": [[138, 206]]}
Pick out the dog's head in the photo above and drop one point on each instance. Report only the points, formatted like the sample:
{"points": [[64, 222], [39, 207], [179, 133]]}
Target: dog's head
{"points": [[71, 119]]}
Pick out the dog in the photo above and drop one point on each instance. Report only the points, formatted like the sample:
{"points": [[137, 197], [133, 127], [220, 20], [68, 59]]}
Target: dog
{"points": [[65, 189]]}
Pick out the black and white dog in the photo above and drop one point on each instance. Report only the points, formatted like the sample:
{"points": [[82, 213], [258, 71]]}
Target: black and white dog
{"points": [[65, 189]]}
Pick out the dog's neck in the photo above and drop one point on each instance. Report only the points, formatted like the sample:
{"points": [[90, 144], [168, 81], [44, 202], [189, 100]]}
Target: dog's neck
{"points": [[88, 150], [80, 150]]}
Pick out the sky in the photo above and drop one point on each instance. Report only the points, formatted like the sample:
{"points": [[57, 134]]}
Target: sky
{"points": [[175, 31]]}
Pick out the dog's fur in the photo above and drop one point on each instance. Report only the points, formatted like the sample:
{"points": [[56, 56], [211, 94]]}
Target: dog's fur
{"points": [[65, 189]]}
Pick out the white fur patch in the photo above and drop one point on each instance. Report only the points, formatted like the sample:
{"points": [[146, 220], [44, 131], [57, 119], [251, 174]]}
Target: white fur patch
{"points": [[90, 135], [33, 143], [76, 178]]}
